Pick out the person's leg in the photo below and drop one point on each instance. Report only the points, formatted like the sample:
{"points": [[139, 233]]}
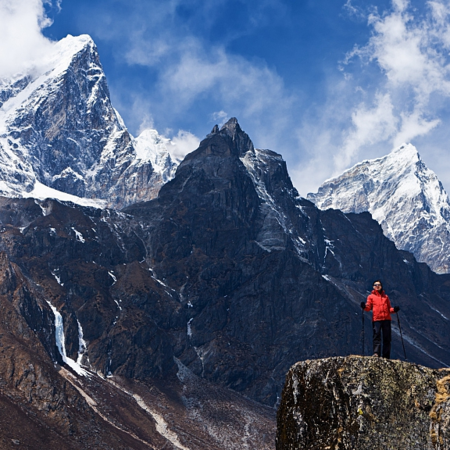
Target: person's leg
{"points": [[386, 326], [376, 338]]}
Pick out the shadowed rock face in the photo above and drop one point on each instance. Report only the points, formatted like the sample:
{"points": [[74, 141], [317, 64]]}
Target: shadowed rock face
{"points": [[264, 277], [228, 274], [367, 403]]}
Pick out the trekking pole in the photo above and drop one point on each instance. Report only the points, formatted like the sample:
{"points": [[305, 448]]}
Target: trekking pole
{"points": [[401, 336], [362, 330]]}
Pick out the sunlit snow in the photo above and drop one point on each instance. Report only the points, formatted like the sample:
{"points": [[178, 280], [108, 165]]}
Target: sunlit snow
{"points": [[403, 196]]}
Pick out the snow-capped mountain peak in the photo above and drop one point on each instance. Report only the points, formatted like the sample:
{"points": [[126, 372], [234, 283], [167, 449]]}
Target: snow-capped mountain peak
{"points": [[403, 195], [151, 146], [26, 87], [59, 129]]}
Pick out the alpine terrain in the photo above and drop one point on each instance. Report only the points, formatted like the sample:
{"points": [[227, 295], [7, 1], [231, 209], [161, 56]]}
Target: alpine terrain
{"points": [[403, 196], [172, 322], [59, 131]]}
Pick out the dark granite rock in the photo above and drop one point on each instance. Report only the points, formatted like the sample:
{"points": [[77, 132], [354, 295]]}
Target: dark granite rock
{"points": [[367, 403], [264, 278], [228, 274]]}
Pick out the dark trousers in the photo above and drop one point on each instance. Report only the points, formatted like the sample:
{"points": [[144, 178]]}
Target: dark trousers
{"points": [[382, 327]]}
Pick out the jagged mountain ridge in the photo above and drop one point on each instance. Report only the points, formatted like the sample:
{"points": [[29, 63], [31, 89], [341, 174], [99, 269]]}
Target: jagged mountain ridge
{"points": [[404, 196], [227, 278], [58, 130], [222, 282]]}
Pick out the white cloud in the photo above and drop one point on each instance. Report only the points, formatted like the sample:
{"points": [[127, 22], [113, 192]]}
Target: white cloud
{"points": [[413, 125], [220, 117], [22, 44], [410, 53], [369, 126], [184, 143], [238, 83]]}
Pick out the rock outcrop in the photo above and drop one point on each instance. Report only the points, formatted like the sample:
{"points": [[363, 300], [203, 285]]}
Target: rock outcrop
{"points": [[364, 403]]}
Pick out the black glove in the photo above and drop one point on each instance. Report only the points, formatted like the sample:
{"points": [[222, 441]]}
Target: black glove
{"points": [[363, 305], [396, 308]]}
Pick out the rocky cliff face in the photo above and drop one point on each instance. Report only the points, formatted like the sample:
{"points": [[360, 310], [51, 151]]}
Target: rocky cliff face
{"points": [[263, 277], [369, 403], [59, 130], [403, 196], [210, 291], [53, 391]]}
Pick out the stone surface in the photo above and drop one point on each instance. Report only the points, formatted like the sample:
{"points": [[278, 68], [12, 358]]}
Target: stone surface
{"points": [[364, 403], [47, 405]]}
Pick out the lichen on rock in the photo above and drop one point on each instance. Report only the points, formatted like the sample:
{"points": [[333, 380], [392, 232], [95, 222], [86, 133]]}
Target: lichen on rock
{"points": [[364, 403]]}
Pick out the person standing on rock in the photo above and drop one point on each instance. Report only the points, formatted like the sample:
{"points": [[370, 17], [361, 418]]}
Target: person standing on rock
{"points": [[380, 305]]}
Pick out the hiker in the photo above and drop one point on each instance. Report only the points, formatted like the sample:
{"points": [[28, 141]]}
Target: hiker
{"points": [[378, 302]]}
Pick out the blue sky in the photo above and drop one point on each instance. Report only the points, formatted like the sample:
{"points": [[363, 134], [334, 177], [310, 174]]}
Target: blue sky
{"points": [[326, 83]]}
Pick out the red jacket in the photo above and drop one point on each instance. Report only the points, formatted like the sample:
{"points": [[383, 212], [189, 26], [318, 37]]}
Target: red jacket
{"points": [[380, 304]]}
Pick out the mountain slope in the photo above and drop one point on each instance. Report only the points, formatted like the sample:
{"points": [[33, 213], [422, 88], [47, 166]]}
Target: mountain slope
{"points": [[258, 268], [177, 319], [403, 196], [104, 375], [59, 130]]}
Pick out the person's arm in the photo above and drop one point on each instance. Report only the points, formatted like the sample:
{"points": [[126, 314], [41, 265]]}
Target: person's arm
{"points": [[392, 309], [369, 304]]}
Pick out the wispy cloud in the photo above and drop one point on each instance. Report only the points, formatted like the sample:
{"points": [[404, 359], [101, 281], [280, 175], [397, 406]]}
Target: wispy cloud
{"points": [[370, 125], [193, 75], [220, 117], [22, 44], [353, 10], [398, 82], [235, 82], [412, 55]]}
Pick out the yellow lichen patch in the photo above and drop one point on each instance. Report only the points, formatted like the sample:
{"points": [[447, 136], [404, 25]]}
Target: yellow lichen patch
{"points": [[442, 395], [443, 390]]}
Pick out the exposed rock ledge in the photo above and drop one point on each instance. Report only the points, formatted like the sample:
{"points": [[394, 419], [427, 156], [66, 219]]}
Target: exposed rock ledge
{"points": [[364, 403]]}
